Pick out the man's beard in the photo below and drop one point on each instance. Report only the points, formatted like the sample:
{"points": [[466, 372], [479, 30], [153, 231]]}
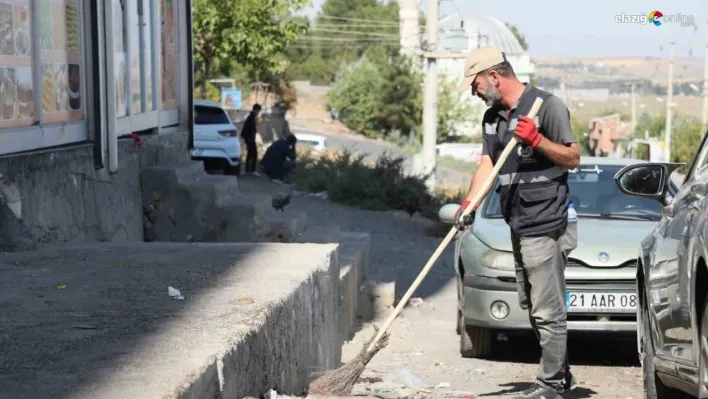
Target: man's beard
{"points": [[491, 97]]}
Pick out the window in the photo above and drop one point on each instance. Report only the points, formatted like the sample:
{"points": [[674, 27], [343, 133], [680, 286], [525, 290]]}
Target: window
{"points": [[17, 80], [595, 194], [169, 61], [42, 74], [58, 78], [60, 57], [210, 116], [145, 49]]}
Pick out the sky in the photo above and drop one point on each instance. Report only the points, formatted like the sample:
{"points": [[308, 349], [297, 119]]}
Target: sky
{"points": [[588, 28]]}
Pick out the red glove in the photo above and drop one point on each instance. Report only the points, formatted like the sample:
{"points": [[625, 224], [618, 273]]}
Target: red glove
{"points": [[526, 130], [459, 211]]}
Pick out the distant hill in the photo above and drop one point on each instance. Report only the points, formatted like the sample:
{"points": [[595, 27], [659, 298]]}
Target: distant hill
{"points": [[575, 71]]}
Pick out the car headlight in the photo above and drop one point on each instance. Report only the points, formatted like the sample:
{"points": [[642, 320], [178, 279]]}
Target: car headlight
{"points": [[498, 260]]}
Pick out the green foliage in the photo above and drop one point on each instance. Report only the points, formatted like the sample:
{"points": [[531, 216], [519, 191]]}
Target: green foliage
{"points": [[453, 108], [382, 96], [625, 116], [685, 138], [652, 126], [379, 95], [580, 131], [343, 31], [250, 32], [350, 180]]}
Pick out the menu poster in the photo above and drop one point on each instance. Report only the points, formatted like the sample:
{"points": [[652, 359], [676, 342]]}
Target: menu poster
{"points": [[17, 106], [8, 93], [6, 42], [119, 81], [169, 55], [25, 92], [60, 42], [22, 29]]}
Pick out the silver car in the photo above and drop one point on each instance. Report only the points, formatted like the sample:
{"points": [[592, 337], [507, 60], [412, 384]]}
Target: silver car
{"points": [[600, 273], [672, 279]]}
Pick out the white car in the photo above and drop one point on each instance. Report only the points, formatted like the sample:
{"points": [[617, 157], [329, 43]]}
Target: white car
{"points": [[217, 141], [316, 141]]}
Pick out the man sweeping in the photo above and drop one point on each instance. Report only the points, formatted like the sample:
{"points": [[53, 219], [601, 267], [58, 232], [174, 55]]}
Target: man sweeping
{"points": [[534, 197]]}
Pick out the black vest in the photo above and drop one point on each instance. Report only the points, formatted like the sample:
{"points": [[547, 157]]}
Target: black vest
{"points": [[533, 190]]}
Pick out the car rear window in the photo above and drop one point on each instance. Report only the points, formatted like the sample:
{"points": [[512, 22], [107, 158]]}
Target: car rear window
{"points": [[209, 116]]}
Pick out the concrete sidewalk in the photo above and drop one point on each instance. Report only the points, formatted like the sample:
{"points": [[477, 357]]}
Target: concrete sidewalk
{"points": [[96, 321]]}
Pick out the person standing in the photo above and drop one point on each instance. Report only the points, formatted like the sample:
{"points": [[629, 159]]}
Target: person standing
{"points": [[248, 134], [534, 195]]}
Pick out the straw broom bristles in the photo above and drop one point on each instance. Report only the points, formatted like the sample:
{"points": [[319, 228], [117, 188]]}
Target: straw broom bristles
{"points": [[340, 382]]}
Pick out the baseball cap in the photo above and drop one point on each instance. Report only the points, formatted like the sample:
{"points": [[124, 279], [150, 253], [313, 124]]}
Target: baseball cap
{"points": [[478, 61]]}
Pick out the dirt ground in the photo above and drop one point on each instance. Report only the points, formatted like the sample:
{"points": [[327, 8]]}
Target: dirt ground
{"points": [[423, 339]]}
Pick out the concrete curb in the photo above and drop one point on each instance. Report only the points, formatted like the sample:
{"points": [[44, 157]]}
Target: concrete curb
{"points": [[254, 317]]}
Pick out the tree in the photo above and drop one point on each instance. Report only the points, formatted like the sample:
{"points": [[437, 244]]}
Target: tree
{"points": [[249, 32], [685, 138], [521, 38], [379, 94], [454, 109], [343, 31]]}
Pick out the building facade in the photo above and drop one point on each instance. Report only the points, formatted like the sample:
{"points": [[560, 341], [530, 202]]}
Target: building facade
{"points": [[605, 133], [463, 33], [77, 78]]}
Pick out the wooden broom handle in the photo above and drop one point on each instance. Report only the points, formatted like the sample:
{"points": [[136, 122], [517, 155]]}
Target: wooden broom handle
{"points": [[453, 231]]}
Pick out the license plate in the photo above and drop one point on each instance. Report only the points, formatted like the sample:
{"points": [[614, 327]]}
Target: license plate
{"points": [[601, 302]]}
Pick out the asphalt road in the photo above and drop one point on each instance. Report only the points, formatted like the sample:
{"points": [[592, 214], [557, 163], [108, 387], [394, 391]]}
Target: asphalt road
{"points": [[376, 148]]}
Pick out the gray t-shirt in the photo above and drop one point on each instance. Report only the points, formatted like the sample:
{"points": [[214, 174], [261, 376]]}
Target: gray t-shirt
{"points": [[553, 122]]}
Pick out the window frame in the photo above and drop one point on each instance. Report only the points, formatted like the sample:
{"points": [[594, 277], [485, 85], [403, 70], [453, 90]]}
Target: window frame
{"points": [[157, 118], [41, 134]]}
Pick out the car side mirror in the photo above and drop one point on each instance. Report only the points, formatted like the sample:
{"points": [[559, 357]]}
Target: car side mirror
{"points": [[447, 213], [646, 180]]}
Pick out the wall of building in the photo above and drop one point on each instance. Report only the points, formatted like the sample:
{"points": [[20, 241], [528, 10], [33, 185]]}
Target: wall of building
{"points": [[66, 199]]}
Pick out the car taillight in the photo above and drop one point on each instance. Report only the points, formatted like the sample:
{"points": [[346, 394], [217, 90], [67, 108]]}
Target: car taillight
{"points": [[228, 133]]}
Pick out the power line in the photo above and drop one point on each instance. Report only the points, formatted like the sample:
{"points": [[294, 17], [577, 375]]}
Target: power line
{"points": [[348, 39], [354, 25], [388, 35], [371, 21]]}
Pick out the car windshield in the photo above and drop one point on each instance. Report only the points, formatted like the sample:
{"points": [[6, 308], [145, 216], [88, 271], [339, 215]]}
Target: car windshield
{"points": [[209, 116], [594, 194]]}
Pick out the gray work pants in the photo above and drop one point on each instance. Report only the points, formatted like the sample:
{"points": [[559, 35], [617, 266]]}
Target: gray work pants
{"points": [[540, 264]]}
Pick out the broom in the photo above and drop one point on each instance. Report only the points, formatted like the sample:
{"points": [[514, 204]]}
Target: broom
{"points": [[340, 382]]}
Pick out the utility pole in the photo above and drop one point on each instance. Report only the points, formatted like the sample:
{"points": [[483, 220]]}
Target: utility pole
{"points": [[409, 29], [634, 106], [669, 99], [430, 96]]}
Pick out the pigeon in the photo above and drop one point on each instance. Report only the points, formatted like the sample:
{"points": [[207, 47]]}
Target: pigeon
{"points": [[280, 202]]}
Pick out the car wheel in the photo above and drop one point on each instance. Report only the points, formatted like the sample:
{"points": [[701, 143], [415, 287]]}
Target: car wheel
{"points": [[232, 170], [653, 387], [211, 165], [703, 356], [475, 342]]}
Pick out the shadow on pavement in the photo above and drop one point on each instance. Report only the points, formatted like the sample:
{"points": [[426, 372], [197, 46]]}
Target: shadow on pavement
{"points": [[517, 387], [584, 349]]}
